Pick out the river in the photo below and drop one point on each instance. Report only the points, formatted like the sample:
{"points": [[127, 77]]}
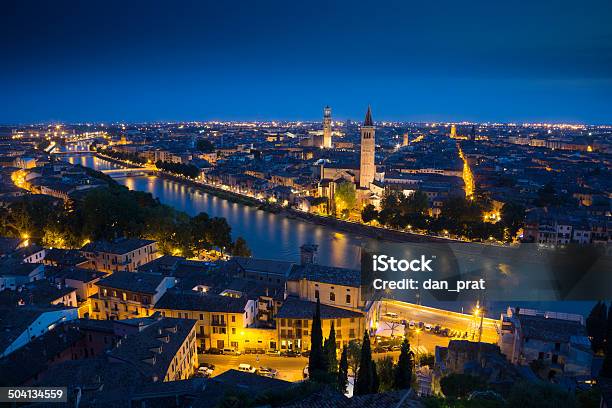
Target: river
{"points": [[269, 235], [273, 236]]}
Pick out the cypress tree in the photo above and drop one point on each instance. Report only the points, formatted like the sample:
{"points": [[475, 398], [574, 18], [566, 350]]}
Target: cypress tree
{"points": [[606, 368], [375, 379], [343, 371], [316, 360], [596, 326], [330, 350], [403, 369], [364, 382]]}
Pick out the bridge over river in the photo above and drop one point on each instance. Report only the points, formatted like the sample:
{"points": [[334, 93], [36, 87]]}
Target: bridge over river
{"points": [[129, 172]]}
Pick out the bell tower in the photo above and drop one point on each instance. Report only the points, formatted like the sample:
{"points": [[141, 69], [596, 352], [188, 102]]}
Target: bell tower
{"points": [[367, 168]]}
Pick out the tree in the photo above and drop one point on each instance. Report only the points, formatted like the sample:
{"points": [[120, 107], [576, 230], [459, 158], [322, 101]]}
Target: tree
{"points": [[375, 378], [596, 326], [240, 248], [317, 363], [365, 381], [342, 378], [205, 146], [345, 197], [386, 373], [539, 395], [403, 370], [461, 385], [512, 217], [369, 213], [330, 350], [354, 356]]}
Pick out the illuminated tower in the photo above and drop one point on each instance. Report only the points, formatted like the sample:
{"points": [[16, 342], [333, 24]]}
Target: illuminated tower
{"points": [[406, 139], [453, 133], [327, 131], [366, 162]]}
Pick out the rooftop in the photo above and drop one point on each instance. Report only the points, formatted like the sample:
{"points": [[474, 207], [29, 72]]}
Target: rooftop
{"points": [[133, 281], [326, 274], [550, 329], [294, 308], [193, 300], [152, 349], [119, 246]]}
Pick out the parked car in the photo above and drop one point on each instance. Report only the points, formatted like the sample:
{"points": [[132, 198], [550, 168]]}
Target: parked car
{"points": [[273, 352], [260, 351], [267, 372], [231, 352], [289, 353], [391, 315], [206, 369], [412, 324], [306, 353], [437, 329], [427, 327], [247, 368], [397, 347], [378, 349], [214, 350]]}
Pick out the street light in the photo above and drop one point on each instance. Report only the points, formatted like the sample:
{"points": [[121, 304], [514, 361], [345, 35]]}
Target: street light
{"points": [[418, 331]]}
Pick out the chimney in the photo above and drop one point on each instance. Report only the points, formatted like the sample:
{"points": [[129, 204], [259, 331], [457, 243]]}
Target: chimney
{"points": [[308, 254]]}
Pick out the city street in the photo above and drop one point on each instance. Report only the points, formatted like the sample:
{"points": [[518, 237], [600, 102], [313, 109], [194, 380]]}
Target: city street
{"points": [[289, 368], [451, 320]]}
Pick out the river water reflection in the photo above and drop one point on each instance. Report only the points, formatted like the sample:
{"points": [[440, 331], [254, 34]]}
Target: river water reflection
{"points": [[268, 235], [273, 236]]}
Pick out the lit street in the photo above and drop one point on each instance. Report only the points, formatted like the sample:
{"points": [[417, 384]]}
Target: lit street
{"points": [[445, 319]]}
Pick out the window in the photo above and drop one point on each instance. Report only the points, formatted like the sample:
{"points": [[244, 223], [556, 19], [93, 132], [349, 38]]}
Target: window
{"points": [[348, 298], [233, 319], [332, 296], [233, 330], [201, 316], [317, 294]]}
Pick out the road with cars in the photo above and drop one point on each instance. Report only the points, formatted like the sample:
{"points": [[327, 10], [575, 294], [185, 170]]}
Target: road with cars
{"points": [[455, 322]]}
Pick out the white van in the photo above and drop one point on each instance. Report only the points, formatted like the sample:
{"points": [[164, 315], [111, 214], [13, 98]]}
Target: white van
{"points": [[247, 368]]}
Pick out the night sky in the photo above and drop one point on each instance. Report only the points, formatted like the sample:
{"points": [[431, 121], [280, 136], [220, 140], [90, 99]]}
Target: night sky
{"points": [[477, 60]]}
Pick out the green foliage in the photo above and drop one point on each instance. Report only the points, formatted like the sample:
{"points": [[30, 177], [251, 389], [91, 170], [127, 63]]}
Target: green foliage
{"points": [[367, 380], [187, 170], [369, 213], [329, 350], [240, 248], [317, 360], [512, 217], [460, 216], [589, 399], [205, 146], [343, 367], [540, 395], [345, 197], [426, 359], [597, 326], [440, 402], [111, 212], [132, 157], [460, 385], [386, 373], [403, 370], [353, 355]]}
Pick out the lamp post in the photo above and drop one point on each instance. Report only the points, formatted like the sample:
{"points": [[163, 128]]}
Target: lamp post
{"points": [[417, 331]]}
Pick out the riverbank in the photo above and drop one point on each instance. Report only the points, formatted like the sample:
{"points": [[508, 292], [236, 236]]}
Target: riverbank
{"points": [[368, 231], [363, 230]]}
